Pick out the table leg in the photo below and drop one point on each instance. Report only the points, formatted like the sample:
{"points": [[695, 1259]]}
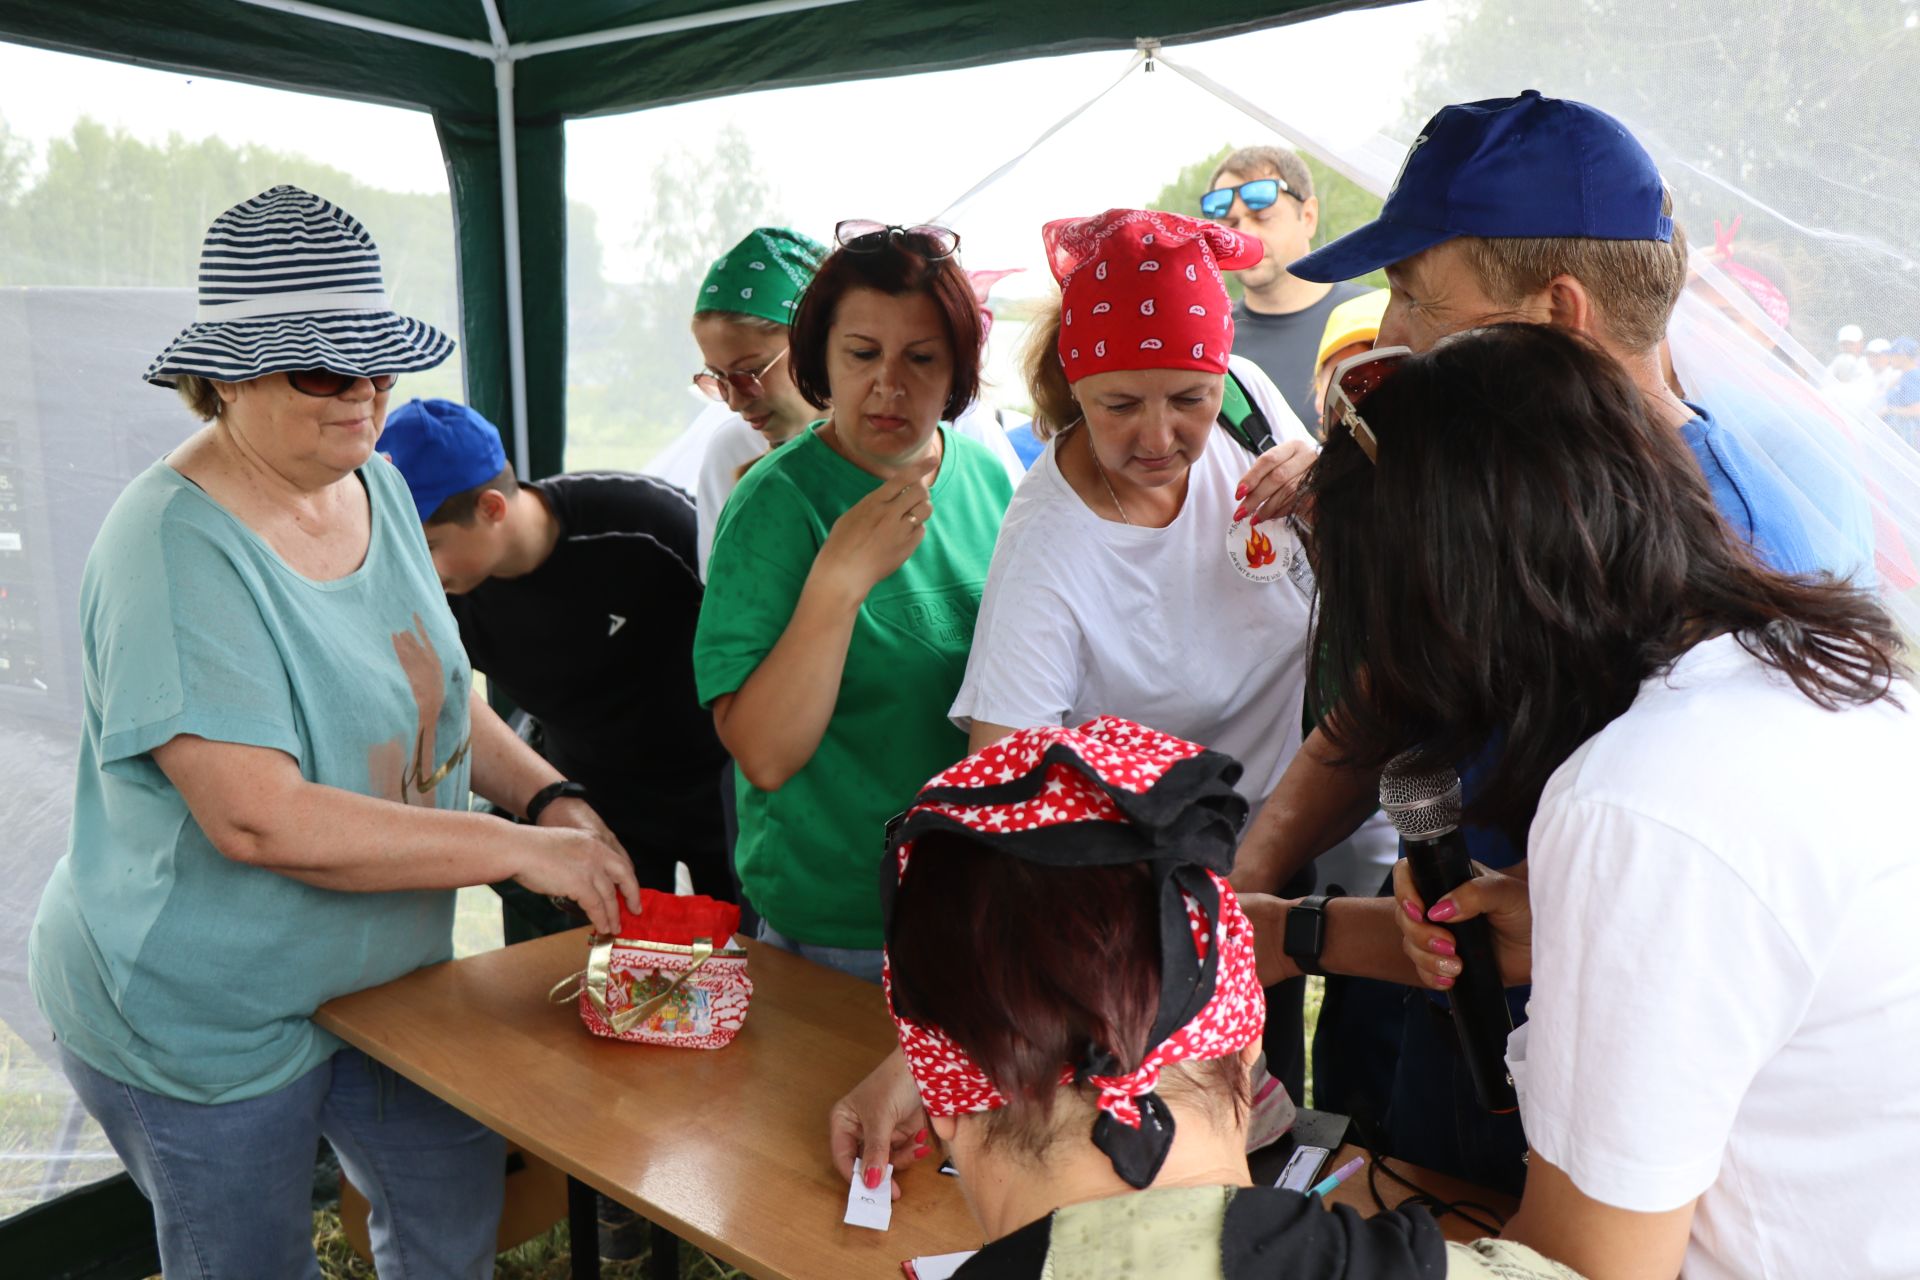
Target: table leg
{"points": [[663, 1254], [583, 1226]]}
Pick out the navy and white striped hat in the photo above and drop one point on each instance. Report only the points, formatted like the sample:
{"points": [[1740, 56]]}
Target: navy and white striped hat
{"points": [[290, 281]]}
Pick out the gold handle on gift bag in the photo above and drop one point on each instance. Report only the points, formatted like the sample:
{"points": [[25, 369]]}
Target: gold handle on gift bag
{"points": [[598, 974]]}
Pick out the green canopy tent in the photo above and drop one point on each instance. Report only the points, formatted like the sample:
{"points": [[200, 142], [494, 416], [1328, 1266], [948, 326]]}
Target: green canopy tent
{"points": [[502, 77]]}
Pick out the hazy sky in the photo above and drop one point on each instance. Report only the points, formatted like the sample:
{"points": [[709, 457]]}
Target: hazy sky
{"points": [[900, 149]]}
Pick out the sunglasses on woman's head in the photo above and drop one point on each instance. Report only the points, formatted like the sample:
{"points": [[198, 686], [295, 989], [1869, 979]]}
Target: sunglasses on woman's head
{"points": [[1256, 195], [861, 235], [745, 381], [326, 383], [1354, 379]]}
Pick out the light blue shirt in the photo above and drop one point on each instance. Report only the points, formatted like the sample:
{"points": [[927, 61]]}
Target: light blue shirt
{"points": [[157, 960]]}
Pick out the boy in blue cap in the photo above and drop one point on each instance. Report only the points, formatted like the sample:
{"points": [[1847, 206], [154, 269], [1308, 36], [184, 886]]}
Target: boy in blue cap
{"points": [[578, 596], [1528, 209]]}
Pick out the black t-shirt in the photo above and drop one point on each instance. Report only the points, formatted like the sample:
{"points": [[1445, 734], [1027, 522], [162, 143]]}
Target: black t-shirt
{"points": [[1285, 346], [597, 644]]}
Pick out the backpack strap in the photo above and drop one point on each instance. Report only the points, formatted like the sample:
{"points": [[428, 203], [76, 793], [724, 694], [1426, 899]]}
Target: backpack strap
{"points": [[1242, 418]]}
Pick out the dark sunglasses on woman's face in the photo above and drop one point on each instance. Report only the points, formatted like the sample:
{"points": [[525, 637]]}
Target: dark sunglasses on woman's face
{"points": [[1256, 195], [326, 383], [862, 235]]}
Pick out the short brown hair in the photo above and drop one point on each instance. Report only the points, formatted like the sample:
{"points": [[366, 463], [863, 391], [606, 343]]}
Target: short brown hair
{"points": [[1269, 162], [1028, 967], [1634, 283], [895, 270], [200, 395], [460, 507]]}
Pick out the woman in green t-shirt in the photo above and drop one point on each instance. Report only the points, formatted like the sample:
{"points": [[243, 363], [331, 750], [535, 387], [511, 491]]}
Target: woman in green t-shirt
{"points": [[839, 608]]}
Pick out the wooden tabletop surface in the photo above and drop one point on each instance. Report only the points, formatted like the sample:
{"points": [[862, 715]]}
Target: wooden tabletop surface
{"points": [[727, 1147]]}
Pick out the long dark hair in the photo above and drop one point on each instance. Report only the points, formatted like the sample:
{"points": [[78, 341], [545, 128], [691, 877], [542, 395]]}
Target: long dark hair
{"points": [[1531, 546]]}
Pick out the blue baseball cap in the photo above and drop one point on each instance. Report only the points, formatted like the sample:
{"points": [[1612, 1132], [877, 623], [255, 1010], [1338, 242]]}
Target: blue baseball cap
{"points": [[1905, 347], [1525, 166], [442, 448]]}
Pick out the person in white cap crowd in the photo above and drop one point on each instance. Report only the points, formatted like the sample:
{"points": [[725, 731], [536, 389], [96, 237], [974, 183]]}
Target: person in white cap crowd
{"points": [[271, 806], [1851, 362]]}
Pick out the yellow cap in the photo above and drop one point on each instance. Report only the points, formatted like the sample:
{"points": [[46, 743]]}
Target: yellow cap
{"points": [[1355, 320]]}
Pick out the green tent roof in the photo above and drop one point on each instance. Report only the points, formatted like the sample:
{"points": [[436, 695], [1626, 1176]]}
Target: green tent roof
{"points": [[293, 44]]}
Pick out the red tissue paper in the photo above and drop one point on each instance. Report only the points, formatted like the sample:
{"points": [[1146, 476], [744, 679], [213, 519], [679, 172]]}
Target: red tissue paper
{"points": [[680, 920]]}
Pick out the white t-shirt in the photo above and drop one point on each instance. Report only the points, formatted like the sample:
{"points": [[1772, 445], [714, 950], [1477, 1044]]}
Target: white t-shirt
{"points": [[734, 444], [679, 463], [1084, 616], [1725, 999]]}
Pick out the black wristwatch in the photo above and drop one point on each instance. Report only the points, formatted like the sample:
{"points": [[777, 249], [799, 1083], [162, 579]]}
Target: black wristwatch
{"points": [[1306, 935], [551, 792]]}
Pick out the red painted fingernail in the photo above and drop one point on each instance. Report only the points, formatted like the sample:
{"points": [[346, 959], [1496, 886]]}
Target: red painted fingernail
{"points": [[1443, 983], [873, 1179], [1239, 492], [921, 1137], [921, 1153], [1239, 513], [1442, 946], [1443, 910], [1413, 912]]}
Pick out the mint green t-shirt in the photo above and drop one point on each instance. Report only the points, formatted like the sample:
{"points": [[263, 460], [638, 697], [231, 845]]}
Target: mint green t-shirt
{"points": [[157, 960], [809, 854]]}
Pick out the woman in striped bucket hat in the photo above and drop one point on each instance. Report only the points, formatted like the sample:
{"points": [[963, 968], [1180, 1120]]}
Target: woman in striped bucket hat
{"points": [[271, 807]]}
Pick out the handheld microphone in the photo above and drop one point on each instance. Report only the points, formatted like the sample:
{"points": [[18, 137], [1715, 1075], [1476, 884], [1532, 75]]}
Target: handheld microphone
{"points": [[1424, 807]]}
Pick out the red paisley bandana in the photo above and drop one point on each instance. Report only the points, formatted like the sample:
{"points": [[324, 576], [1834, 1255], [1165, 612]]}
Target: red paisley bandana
{"points": [[1142, 290], [1164, 801]]}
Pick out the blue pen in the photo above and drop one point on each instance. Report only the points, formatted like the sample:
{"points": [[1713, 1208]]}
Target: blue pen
{"points": [[1338, 1176]]}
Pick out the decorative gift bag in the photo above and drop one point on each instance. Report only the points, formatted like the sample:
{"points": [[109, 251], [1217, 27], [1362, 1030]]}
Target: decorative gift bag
{"points": [[672, 975]]}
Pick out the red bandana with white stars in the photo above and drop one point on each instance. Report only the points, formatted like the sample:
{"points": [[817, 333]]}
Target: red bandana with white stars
{"points": [[1106, 771], [1142, 290]]}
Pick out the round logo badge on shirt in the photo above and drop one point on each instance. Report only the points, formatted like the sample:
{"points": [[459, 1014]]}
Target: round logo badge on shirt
{"points": [[1257, 553]]}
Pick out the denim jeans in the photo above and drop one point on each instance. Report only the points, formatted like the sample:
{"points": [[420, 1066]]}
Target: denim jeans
{"points": [[864, 965], [232, 1183]]}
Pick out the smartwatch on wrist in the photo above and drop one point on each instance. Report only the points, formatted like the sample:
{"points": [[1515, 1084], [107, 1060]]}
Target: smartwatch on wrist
{"points": [[1306, 932], [551, 792]]}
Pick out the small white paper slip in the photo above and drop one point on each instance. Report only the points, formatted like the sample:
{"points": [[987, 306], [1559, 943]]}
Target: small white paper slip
{"points": [[935, 1266], [871, 1209], [1252, 549]]}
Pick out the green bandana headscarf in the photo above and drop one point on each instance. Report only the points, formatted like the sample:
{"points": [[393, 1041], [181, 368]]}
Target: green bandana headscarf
{"points": [[764, 275]]}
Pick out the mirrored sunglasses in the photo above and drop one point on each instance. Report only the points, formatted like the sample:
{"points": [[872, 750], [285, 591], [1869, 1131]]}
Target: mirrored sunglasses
{"points": [[1354, 379], [1256, 195], [861, 235], [327, 383]]}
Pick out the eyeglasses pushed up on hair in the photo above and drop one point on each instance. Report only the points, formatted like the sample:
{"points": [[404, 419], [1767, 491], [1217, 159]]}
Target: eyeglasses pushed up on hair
{"points": [[862, 235], [1354, 379], [747, 382], [1256, 195], [325, 383]]}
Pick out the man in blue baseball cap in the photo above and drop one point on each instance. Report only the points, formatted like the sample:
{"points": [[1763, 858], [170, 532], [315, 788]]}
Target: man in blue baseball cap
{"points": [[578, 596], [1529, 209]]}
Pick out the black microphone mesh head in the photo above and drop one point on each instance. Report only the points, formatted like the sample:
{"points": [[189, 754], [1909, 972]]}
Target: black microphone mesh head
{"points": [[1422, 804]]}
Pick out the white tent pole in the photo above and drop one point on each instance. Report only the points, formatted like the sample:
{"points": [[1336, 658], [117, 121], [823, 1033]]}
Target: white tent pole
{"points": [[380, 26], [1325, 154], [939, 218], [510, 231], [668, 26]]}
